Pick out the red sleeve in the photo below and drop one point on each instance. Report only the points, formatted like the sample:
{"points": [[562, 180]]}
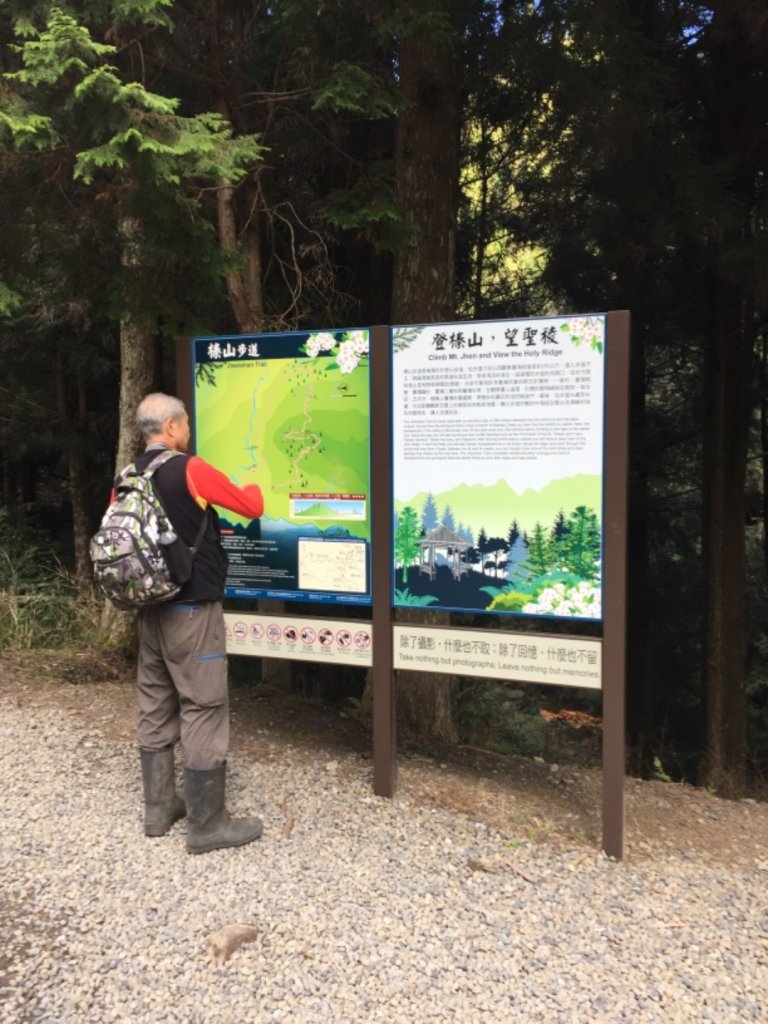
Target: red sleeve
{"points": [[209, 486]]}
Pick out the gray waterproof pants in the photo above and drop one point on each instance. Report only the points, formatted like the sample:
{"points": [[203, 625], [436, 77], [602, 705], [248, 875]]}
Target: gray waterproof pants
{"points": [[182, 682]]}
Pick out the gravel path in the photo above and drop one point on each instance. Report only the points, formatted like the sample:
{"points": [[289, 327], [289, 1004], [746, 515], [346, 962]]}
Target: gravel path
{"points": [[366, 910]]}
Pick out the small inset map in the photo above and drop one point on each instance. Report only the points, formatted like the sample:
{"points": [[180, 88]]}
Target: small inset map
{"points": [[334, 566]]}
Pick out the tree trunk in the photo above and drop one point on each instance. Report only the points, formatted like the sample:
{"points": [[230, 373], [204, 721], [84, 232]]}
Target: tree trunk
{"points": [[482, 222], [737, 113], [427, 170], [237, 208], [73, 424], [764, 446], [640, 676], [137, 365], [242, 244], [726, 443]]}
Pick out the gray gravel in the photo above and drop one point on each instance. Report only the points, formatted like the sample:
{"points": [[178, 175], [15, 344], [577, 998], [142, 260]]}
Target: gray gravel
{"points": [[367, 910]]}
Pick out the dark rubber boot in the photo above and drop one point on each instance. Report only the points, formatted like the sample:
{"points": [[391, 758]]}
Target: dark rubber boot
{"points": [[162, 804], [210, 826]]}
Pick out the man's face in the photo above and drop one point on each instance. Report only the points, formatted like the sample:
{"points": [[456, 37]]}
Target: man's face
{"points": [[178, 433]]}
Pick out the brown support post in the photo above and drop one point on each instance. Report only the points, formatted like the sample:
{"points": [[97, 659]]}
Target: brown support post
{"points": [[616, 458], [384, 732]]}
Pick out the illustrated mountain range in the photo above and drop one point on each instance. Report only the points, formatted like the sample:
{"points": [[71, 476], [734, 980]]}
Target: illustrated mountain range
{"points": [[317, 511], [283, 530], [492, 507]]}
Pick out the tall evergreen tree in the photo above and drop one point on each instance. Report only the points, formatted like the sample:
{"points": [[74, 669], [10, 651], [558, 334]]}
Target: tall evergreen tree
{"points": [[124, 150], [429, 517], [540, 551]]}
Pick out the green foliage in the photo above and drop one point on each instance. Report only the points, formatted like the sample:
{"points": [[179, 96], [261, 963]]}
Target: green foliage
{"points": [[478, 707], [587, 330], [27, 129], [403, 597], [352, 89], [9, 299], [116, 125], [148, 13], [407, 537], [427, 22], [525, 737], [512, 598], [369, 205], [40, 605], [64, 49], [579, 548], [549, 579], [508, 600], [540, 551]]}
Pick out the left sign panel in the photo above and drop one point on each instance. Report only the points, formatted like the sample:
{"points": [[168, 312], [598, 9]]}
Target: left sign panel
{"points": [[291, 412]]}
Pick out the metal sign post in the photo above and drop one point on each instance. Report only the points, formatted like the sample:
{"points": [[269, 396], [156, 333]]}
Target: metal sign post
{"points": [[615, 579], [384, 729]]}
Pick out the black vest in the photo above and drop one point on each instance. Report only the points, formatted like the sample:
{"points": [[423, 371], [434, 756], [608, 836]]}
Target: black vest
{"points": [[209, 567]]}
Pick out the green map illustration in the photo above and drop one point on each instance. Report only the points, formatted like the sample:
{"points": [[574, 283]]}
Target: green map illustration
{"points": [[296, 426]]}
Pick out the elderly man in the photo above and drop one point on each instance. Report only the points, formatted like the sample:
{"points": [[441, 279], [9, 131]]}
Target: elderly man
{"points": [[182, 669]]}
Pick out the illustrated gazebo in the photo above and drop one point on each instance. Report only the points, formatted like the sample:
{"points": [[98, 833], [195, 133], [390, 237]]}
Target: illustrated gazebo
{"points": [[444, 540]]}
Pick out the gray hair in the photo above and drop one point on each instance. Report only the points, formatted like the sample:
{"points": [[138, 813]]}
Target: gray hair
{"points": [[154, 410]]}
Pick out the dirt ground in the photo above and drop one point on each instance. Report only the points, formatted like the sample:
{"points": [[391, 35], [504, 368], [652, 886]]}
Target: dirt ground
{"points": [[525, 799]]}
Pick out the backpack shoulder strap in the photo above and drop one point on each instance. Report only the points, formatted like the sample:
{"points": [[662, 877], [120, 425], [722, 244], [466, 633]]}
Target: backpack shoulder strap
{"points": [[159, 459], [201, 530]]}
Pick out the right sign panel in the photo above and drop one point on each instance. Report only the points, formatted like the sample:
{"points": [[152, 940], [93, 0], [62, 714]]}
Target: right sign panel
{"points": [[498, 466]]}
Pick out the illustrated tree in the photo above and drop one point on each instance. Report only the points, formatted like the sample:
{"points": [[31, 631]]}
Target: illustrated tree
{"points": [[518, 568], [482, 546], [581, 549], [407, 537], [558, 532], [429, 519], [465, 533], [448, 520], [497, 547], [513, 533], [539, 551]]}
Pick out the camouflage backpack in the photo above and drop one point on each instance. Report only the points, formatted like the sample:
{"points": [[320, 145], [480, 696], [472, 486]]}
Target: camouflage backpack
{"points": [[136, 547]]}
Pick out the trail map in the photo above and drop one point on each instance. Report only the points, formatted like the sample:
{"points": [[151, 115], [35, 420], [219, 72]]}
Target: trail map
{"points": [[291, 413]]}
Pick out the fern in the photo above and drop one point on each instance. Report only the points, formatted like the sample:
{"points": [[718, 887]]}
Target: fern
{"points": [[406, 597]]}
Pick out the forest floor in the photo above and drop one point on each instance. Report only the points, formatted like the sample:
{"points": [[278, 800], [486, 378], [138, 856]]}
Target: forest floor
{"points": [[525, 799]]}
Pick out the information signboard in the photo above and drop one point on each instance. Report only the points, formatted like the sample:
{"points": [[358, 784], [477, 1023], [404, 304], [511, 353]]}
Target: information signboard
{"points": [[471, 426], [291, 412], [498, 465]]}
